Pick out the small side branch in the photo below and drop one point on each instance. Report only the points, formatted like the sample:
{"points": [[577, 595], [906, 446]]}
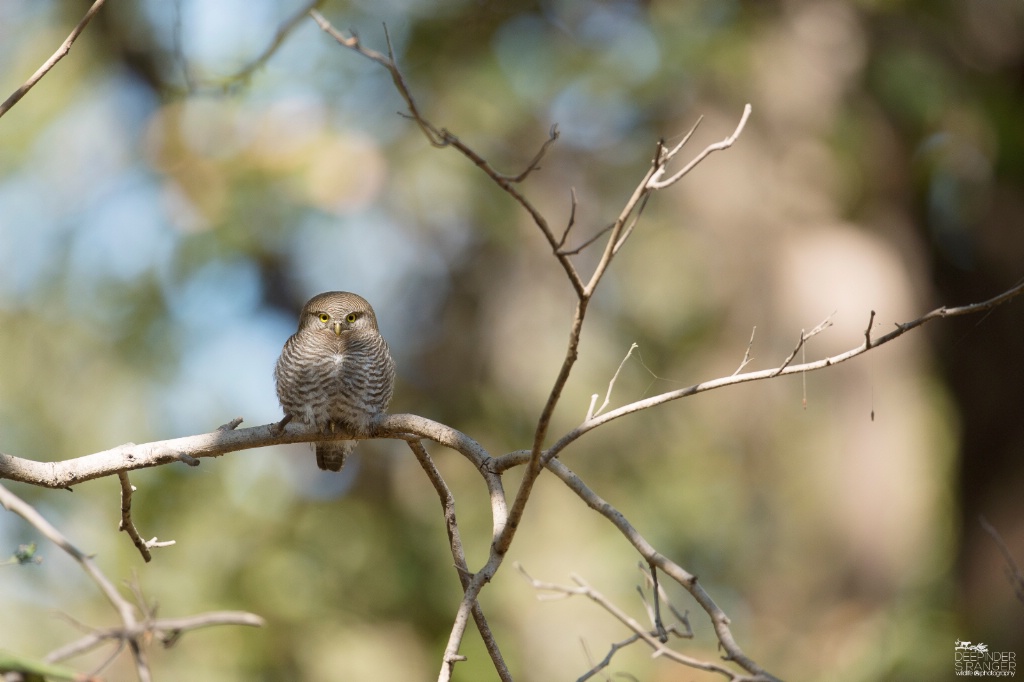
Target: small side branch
{"points": [[61, 52], [650, 638], [128, 525], [746, 355], [283, 31], [657, 183], [677, 573], [804, 336], [441, 137], [611, 384]]}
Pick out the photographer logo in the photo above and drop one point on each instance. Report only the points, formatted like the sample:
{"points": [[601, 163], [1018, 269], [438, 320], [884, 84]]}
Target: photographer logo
{"points": [[976, 660]]}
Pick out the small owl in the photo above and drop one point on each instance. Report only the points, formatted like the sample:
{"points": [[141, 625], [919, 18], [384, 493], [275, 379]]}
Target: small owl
{"points": [[335, 372]]}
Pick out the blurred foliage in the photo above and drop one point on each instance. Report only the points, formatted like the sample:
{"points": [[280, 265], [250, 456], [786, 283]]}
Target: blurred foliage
{"points": [[161, 224]]}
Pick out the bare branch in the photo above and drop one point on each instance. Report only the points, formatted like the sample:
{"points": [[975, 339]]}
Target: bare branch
{"points": [[52, 61], [283, 31], [590, 240], [572, 217], [455, 542], [1013, 571], [901, 329], [167, 630], [130, 456], [649, 638], [534, 164], [746, 355], [657, 183], [441, 137], [804, 336], [611, 384], [606, 661], [170, 630], [718, 618], [127, 524], [127, 613]]}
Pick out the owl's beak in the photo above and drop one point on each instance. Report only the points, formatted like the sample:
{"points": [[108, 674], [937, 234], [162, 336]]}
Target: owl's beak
{"points": [[337, 328]]}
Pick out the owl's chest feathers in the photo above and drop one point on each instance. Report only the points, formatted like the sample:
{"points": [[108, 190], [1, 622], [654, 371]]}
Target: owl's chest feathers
{"points": [[330, 368]]}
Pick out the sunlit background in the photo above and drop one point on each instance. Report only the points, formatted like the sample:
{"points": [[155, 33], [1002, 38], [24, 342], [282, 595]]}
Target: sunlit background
{"points": [[162, 220]]}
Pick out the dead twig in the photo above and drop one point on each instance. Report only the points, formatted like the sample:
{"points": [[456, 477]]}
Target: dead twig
{"points": [[61, 52], [650, 638], [128, 525], [1013, 572]]}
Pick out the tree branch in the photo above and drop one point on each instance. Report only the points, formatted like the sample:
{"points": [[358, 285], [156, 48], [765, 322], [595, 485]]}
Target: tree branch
{"points": [[939, 313], [455, 542], [441, 137], [649, 638], [61, 52]]}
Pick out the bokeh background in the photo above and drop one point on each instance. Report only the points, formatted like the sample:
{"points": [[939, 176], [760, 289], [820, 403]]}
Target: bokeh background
{"points": [[161, 222]]}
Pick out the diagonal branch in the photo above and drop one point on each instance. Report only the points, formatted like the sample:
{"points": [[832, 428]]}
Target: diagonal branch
{"points": [[455, 542], [901, 328], [441, 137], [649, 638], [61, 52], [15, 504], [282, 33], [657, 183], [689, 581]]}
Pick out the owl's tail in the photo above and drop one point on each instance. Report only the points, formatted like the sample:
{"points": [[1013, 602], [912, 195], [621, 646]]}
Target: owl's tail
{"points": [[331, 456]]}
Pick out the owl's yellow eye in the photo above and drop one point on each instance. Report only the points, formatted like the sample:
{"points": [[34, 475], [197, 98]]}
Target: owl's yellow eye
{"points": [[324, 317], [351, 317]]}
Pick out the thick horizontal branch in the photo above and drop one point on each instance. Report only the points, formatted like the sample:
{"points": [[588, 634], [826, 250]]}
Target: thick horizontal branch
{"points": [[190, 449]]}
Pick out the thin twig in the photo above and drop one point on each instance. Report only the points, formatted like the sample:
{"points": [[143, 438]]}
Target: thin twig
{"points": [[126, 611], [611, 384], [746, 355], [52, 61], [657, 183], [441, 137], [606, 661], [649, 638], [504, 461], [590, 240], [719, 620], [804, 336], [127, 524], [572, 217], [283, 31], [1013, 571], [534, 164]]}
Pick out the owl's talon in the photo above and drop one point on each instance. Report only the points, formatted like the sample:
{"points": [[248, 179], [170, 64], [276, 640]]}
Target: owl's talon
{"points": [[279, 426]]}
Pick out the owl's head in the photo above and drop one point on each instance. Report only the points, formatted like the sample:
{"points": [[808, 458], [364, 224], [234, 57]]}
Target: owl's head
{"points": [[337, 312]]}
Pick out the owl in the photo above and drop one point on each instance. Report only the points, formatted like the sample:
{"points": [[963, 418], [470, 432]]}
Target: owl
{"points": [[335, 372]]}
